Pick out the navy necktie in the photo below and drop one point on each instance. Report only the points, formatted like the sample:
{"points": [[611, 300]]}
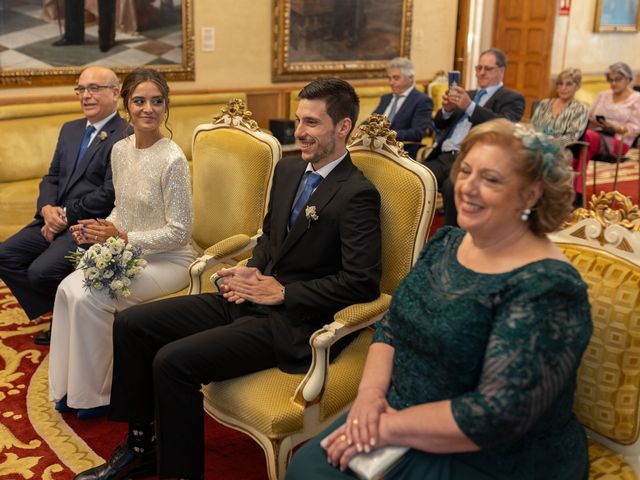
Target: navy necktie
{"points": [[394, 107], [85, 144], [313, 179]]}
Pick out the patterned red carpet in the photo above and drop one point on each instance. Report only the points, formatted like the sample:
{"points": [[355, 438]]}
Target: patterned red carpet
{"points": [[36, 442]]}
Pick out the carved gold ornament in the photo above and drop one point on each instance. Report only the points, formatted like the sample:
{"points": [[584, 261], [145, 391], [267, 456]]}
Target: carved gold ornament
{"points": [[236, 114], [610, 208], [377, 135]]}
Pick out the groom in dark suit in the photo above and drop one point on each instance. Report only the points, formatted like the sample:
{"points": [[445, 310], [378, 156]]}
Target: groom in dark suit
{"points": [[462, 110], [408, 109], [319, 252], [77, 186]]}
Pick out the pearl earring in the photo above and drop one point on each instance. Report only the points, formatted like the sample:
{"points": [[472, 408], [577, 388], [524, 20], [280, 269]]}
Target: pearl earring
{"points": [[525, 214]]}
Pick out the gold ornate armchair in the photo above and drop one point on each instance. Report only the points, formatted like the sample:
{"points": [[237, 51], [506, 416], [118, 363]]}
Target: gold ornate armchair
{"points": [[603, 243], [233, 165], [281, 410]]}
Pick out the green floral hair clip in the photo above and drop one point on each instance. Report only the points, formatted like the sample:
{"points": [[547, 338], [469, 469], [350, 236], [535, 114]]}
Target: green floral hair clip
{"points": [[539, 142]]}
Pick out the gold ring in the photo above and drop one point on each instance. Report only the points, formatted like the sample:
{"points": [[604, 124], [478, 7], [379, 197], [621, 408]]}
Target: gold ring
{"points": [[354, 421], [343, 438]]}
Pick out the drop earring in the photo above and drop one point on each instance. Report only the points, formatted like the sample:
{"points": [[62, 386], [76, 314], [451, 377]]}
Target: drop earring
{"points": [[525, 214]]}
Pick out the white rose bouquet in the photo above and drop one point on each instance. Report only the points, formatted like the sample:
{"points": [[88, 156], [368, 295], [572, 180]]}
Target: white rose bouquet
{"points": [[109, 266]]}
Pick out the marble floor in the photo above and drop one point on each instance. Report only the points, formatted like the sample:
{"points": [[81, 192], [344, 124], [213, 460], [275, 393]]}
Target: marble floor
{"points": [[26, 39]]}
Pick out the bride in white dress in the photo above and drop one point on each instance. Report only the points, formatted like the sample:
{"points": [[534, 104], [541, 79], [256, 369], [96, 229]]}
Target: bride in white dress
{"points": [[153, 212]]}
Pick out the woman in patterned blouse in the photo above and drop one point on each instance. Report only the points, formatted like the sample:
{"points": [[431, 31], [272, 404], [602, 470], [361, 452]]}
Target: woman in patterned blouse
{"points": [[564, 117]]}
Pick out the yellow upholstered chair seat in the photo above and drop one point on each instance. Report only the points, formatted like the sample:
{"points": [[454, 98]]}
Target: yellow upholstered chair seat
{"points": [[607, 464], [280, 410], [603, 244], [271, 409], [17, 205]]}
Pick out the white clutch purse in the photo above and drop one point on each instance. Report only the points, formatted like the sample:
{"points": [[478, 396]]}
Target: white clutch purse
{"points": [[375, 464]]}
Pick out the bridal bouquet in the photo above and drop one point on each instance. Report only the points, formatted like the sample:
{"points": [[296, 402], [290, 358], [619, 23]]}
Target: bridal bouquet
{"points": [[110, 266]]}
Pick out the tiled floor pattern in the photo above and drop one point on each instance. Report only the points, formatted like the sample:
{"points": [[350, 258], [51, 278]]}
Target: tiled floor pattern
{"points": [[26, 42]]}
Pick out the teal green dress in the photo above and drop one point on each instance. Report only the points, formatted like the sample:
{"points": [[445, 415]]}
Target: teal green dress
{"points": [[504, 348]]}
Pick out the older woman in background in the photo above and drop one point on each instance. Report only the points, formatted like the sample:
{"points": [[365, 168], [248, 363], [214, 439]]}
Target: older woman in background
{"points": [[614, 116], [564, 117], [474, 366]]}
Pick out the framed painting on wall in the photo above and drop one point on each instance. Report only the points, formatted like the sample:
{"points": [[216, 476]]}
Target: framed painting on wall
{"points": [[152, 33], [346, 38], [616, 16]]}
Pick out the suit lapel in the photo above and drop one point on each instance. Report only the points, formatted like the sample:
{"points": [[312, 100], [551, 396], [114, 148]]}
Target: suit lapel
{"points": [[96, 144], [319, 199]]}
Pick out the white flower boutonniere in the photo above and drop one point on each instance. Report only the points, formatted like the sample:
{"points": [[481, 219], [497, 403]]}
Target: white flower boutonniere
{"points": [[311, 214], [103, 135]]}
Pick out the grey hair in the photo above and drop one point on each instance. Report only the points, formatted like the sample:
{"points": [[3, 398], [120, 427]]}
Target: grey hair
{"points": [[621, 68], [501, 57], [404, 65]]}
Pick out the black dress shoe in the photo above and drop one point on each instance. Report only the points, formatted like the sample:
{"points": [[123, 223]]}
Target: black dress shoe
{"points": [[43, 338], [124, 463], [63, 42]]}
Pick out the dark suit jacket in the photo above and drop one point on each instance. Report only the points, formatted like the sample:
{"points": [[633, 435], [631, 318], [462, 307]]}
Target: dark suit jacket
{"points": [[325, 264], [412, 120], [503, 103], [86, 192]]}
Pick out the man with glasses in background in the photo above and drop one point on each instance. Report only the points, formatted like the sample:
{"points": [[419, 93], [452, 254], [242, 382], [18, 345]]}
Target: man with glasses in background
{"points": [[463, 110], [78, 185]]}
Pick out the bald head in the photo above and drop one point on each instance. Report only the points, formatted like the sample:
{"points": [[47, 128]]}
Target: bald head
{"points": [[104, 101]]}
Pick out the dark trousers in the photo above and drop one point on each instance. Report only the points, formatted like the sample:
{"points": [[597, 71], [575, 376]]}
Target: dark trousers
{"points": [[448, 201], [74, 21], [440, 164], [164, 351], [33, 268]]}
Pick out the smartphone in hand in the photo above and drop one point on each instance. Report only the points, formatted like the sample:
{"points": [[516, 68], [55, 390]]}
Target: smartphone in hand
{"points": [[454, 78]]}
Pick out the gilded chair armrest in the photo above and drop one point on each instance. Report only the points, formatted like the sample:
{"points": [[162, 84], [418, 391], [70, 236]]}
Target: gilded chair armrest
{"points": [[346, 321], [222, 252]]}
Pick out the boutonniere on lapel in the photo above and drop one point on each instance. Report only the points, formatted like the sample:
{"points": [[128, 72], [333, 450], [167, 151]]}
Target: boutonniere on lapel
{"points": [[103, 135], [311, 214]]}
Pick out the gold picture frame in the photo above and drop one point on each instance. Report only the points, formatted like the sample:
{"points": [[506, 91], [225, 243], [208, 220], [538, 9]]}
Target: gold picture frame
{"points": [[68, 74], [345, 38], [617, 16]]}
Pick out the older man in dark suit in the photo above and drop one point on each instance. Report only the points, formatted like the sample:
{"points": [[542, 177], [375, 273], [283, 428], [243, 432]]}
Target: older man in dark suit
{"points": [[408, 109], [320, 252], [463, 110], [78, 186]]}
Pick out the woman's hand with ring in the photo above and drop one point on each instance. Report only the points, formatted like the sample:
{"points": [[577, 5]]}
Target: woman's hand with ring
{"points": [[339, 451], [362, 425]]}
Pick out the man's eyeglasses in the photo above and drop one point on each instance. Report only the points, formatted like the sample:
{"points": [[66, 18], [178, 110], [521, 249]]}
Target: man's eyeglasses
{"points": [[93, 88], [486, 68]]}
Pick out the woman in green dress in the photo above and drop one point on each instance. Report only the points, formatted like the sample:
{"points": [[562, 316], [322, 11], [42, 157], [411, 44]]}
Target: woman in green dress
{"points": [[474, 367]]}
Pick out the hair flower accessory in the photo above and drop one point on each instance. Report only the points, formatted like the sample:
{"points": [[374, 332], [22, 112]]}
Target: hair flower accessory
{"points": [[311, 214], [103, 135], [538, 141], [109, 267]]}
